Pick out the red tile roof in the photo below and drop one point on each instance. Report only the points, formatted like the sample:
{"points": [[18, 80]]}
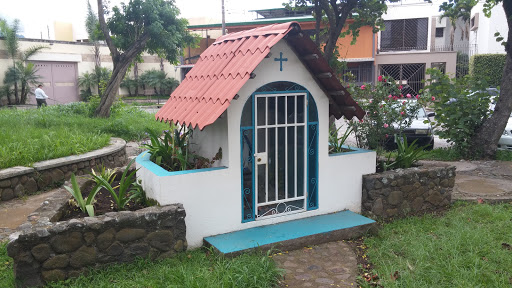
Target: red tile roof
{"points": [[225, 67]]}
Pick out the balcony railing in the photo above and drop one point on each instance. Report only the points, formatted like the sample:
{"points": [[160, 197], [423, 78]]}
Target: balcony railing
{"points": [[464, 48]]}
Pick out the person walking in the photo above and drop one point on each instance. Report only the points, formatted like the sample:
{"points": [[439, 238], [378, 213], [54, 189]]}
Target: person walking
{"points": [[40, 96]]}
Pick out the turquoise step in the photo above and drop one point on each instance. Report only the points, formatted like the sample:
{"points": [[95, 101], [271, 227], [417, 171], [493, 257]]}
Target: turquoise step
{"points": [[293, 234]]}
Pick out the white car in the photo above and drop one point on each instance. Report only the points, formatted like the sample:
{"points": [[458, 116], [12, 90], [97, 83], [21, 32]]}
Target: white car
{"points": [[505, 142]]}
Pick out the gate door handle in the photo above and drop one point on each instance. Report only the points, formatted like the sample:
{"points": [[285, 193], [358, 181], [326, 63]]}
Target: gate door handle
{"points": [[261, 158]]}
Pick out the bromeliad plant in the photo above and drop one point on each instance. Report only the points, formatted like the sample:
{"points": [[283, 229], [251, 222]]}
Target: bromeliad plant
{"points": [[406, 155], [86, 205], [336, 142], [172, 150], [127, 189]]}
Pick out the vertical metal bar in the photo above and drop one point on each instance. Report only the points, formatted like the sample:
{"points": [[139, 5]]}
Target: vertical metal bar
{"points": [[255, 172], [276, 162], [285, 147], [266, 148], [295, 148], [305, 152]]}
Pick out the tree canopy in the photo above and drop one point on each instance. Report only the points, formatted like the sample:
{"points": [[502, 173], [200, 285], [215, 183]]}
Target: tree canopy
{"points": [[333, 16], [140, 26]]}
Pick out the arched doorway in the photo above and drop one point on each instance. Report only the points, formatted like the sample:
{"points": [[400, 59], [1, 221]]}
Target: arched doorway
{"points": [[279, 152]]}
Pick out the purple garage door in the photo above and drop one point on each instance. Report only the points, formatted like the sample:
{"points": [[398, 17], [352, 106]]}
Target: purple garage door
{"points": [[59, 80]]}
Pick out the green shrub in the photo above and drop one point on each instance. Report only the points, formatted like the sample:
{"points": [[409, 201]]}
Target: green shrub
{"points": [[458, 122], [488, 67]]}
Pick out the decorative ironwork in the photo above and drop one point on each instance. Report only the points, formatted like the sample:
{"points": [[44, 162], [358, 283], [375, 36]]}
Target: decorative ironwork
{"points": [[410, 76], [280, 208], [312, 166]]}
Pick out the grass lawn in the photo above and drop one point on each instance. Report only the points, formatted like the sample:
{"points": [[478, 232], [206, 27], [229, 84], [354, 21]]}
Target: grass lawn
{"points": [[469, 246], [33, 135], [191, 269], [448, 154]]}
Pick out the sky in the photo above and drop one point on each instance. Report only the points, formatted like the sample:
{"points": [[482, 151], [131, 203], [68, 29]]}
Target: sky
{"points": [[38, 16]]}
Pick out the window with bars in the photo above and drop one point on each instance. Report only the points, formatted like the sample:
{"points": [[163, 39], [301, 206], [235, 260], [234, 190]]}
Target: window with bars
{"points": [[439, 32], [404, 35], [439, 65], [409, 76], [358, 73]]}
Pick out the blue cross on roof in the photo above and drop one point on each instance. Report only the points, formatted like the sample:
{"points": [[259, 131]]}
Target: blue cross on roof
{"points": [[280, 59]]}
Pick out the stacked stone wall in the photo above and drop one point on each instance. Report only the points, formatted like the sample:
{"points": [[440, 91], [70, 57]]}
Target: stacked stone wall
{"points": [[20, 181], [44, 251], [406, 192]]}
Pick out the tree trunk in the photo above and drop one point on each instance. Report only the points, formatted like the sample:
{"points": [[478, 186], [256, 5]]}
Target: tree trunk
{"points": [[485, 141], [97, 55], [112, 89], [452, 36], [136, 77], [16, 97], [23, 95]]}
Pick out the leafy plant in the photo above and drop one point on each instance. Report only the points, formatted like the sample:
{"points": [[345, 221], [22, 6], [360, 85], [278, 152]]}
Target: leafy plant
{"points": [[171, 152], [336, 142], [462, 105], [406, 156], [85, 205], [125, 190]]}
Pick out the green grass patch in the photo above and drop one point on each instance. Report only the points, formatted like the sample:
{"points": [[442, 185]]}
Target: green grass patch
{"points": [[442, 154], [504, 155], [449, 154], [33, 135], [6, 263], [467, 247], [190, 269]]}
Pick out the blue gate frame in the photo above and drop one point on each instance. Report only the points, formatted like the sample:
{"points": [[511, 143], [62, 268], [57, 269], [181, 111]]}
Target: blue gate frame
{"points": [[247, 137]]}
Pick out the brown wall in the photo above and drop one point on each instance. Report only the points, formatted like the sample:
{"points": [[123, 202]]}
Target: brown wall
{"points": [[407, 57]]}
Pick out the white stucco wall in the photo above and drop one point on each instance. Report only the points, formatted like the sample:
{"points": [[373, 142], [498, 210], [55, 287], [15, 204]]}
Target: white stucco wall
{"points": [[207, 142], [212, 199], [483, 37]]}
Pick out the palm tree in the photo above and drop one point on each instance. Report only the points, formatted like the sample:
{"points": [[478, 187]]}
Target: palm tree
{"points": [[19, 58], [102, 75], [129, 84], [86, 81], [24, 75], [12, 46]]}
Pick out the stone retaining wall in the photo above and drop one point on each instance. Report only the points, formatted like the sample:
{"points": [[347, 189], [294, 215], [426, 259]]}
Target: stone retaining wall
{"points": [[19, 181], [410, 191], [47, 251]]}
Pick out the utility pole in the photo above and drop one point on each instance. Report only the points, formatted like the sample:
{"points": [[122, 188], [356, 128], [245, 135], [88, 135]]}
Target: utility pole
{"points": [[223, 19]]}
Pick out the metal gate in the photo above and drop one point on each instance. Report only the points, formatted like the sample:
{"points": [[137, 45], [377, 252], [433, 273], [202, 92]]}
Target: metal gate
{"points": [[280, 174], [410, 76], [59, 81]]}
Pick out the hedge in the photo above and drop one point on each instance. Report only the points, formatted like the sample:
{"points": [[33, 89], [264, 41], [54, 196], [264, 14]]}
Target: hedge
{"points": [[489, 66]]}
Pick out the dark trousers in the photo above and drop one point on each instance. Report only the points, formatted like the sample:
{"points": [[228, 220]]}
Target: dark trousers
{"points": [[41, 102]]}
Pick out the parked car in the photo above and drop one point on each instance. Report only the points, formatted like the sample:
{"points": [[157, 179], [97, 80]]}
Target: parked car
{"points": [[420, 131], [505, 142]]}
